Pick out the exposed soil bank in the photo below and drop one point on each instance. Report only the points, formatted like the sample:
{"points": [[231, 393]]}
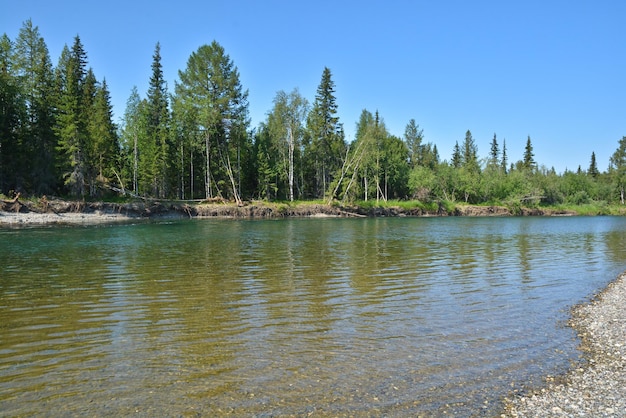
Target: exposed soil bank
{"points": [[57, 211]]}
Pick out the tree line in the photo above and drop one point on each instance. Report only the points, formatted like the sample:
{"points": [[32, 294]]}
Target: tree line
{"points": [[57, 136]]}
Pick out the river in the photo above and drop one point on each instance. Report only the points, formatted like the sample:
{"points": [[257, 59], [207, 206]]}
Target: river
{"points": [[320, 317]]}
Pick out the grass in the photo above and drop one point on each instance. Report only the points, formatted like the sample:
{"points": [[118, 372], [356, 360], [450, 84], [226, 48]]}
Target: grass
{"points": [[587, 209], [592, 209]]}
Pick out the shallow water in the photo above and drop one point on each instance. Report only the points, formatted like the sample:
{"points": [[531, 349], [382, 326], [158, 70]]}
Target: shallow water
{"points": [[328, 317]]}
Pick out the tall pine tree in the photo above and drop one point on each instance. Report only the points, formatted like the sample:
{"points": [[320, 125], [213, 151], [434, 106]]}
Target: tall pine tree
{"points": [[529, 156], [494, 153], [156, 152], [326, 147], [12, 115], [36, 78], [413, 137], [593, 166], [212, 92], [71, 122], [104, 149]]}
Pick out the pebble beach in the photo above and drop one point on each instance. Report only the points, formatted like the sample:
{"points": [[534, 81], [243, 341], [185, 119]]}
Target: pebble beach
{"points": [[20, 219], [596, 388]]}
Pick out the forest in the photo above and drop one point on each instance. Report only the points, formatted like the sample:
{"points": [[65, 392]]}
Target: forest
{"points": [[58, 137]]}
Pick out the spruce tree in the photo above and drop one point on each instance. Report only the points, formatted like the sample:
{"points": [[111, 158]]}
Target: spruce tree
{"points": [[326, 147], [36, 78], [494, 154], [457, 157], [156, 152], [469, 152], [104, 141], [12, 113], [593, 167], [71, 122], [529, 156], [413, 137]]}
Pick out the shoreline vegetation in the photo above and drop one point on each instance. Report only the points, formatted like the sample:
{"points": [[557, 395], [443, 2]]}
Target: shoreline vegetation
{"points": [[43, 211]]}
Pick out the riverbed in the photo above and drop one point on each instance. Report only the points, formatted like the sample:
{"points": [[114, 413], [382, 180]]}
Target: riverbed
{"points": [[330, 317]]}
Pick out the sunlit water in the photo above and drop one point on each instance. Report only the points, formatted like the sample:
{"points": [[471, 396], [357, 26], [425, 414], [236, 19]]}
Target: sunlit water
{"points": [[321, 317]]}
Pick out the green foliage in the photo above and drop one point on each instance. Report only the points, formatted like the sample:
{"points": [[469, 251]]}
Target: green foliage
{"points": [[422, 183], [618, 169], [156, 158], [593, 166], [529, 156], [57, 136], [212, 97], [286, 131], [325, 147], [413, 137]]}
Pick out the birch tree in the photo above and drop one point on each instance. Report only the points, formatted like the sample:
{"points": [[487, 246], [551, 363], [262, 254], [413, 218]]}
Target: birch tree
{"points": [[286, 124]]}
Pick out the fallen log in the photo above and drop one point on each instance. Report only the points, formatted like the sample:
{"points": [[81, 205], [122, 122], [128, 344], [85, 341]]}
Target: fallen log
{"points": [[13, 205]]}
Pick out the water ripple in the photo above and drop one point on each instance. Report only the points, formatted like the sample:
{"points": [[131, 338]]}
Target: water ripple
{"points": [[388, 317]]}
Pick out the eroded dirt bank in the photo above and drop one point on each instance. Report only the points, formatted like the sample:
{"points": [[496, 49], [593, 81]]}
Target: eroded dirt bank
{"points": [[44, 211]]}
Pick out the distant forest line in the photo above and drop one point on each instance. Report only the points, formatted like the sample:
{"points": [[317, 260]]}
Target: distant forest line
{"points": [[57, 137]]}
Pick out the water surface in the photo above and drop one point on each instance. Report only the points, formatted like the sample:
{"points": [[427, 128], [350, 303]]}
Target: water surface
{"points": [[328, 317]]}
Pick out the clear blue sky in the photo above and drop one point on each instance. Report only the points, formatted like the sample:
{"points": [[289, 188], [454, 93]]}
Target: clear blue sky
{"points": [[554, 70]]}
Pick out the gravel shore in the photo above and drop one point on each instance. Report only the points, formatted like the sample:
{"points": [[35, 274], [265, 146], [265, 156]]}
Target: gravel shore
{"points": [[11, 219], [598, 387]]}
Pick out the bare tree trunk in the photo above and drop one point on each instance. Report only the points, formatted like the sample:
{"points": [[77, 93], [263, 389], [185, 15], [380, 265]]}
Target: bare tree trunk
{"points": [[135, 166], [365, 185], [191, 173], [182, 172], [290, 141], [231, 176], [207, 181], [377, 178]]}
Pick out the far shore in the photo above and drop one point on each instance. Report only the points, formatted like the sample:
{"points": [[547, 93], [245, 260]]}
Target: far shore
{"points": [[44, 211]]}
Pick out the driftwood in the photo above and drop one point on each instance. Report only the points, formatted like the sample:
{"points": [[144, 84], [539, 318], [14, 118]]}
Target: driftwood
{"points": [[13, 205]]}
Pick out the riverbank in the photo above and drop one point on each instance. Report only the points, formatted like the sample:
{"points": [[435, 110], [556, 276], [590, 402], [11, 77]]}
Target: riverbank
{"points": [[24, 212], [596, 388]]}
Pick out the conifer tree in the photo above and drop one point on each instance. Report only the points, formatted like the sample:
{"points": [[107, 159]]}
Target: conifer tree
{"points": [[413, 137], [155, 154], [593, 167], [103, 132], [457, 158], [529, 157], [36, 79], [71, 127], [12, 114], [494, 154], [210, 87], [326, 147], [470, 152]]}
